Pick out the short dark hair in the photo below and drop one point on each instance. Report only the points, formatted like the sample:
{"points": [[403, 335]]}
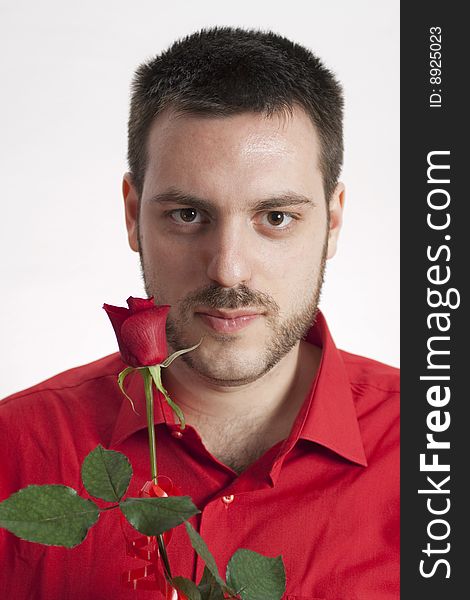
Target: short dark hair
{"points": [[223, 71]]}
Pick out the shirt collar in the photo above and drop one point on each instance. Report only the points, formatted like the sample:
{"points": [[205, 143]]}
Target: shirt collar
{"points": [[327, 417]]}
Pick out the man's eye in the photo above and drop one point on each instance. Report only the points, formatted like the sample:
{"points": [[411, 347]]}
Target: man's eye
{"points": [[186, 215], [278, 219]]}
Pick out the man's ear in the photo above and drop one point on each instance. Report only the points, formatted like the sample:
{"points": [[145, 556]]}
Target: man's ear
{"points": [[131, 205], [335, 208]]}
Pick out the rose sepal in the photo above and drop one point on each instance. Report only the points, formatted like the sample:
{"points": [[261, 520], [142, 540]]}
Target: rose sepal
{"points": [[121, 377], [156, 374], [167, 362]]}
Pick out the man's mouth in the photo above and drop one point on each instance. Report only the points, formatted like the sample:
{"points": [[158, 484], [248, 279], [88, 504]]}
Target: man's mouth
{"points": [[228, 321]]}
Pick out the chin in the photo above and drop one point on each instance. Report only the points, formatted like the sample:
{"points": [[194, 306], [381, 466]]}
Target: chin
{"points": [[227, 368]]}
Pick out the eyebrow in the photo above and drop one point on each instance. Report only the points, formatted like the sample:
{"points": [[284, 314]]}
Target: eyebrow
{"points": [[173, 195]]}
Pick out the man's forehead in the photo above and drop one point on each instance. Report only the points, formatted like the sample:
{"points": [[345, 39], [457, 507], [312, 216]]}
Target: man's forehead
{"points": [[258, 132], [245, 158]]}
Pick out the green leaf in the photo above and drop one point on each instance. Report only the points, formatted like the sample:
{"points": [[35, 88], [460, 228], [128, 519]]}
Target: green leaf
{"points": [[188, 587], [106, 474], [48, 514], [256, 577], [209, 588], [203, 551], [153, 516], [155, 371]]}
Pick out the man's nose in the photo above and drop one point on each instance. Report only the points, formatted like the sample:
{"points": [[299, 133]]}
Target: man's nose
{"points": [[229, 255]]}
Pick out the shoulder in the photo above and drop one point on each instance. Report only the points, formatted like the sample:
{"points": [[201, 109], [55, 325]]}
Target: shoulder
{"points": [[375, 389], [80, 384], [368, 373], [67, 382], [48, 428]]}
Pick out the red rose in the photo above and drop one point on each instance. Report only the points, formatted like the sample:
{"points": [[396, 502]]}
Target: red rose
{"points": [[140, 331]]}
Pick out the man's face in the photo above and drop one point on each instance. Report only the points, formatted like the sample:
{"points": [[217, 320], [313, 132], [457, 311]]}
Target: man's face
{"points": [[234, 232]]}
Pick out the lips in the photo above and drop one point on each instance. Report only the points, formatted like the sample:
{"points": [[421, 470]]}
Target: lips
{"points": [[228, 321]]}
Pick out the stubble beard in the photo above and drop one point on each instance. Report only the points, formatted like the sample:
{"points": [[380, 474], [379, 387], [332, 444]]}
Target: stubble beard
{"points": [[285, 332]]}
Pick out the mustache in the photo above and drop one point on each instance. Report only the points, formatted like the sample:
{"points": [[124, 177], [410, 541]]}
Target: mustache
{"points": [[216, 297]]}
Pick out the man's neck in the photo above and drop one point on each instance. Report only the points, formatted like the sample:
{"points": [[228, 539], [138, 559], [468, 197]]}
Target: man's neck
{"points": [[239, 423]]}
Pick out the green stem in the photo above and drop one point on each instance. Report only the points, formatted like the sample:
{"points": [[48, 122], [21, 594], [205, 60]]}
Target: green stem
{"points": [[164, 555], [150, 423], [148, 381]]}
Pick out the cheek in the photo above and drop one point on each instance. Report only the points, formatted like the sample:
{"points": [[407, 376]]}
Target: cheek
{"points": [[295, 262], [291, 275], [169, 265], [171, 270], [159, 251]]}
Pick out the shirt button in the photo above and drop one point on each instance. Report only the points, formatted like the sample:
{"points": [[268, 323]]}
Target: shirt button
{"points": [[177, 434], [228, 499]]}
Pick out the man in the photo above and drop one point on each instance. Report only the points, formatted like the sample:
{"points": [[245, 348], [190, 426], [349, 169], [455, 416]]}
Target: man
{"points": [[234, 204]]}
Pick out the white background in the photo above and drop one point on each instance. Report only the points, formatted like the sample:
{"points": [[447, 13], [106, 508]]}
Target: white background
{"points": [[65, 73]]}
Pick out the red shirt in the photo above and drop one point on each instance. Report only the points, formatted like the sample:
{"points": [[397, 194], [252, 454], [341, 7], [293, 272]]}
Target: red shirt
{"points": [[326, 498]]}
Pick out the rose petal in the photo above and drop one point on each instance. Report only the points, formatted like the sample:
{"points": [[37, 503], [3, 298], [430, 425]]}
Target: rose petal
{"points": [[140, 331], [117, 315], [138, 304], [143, 337]]}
